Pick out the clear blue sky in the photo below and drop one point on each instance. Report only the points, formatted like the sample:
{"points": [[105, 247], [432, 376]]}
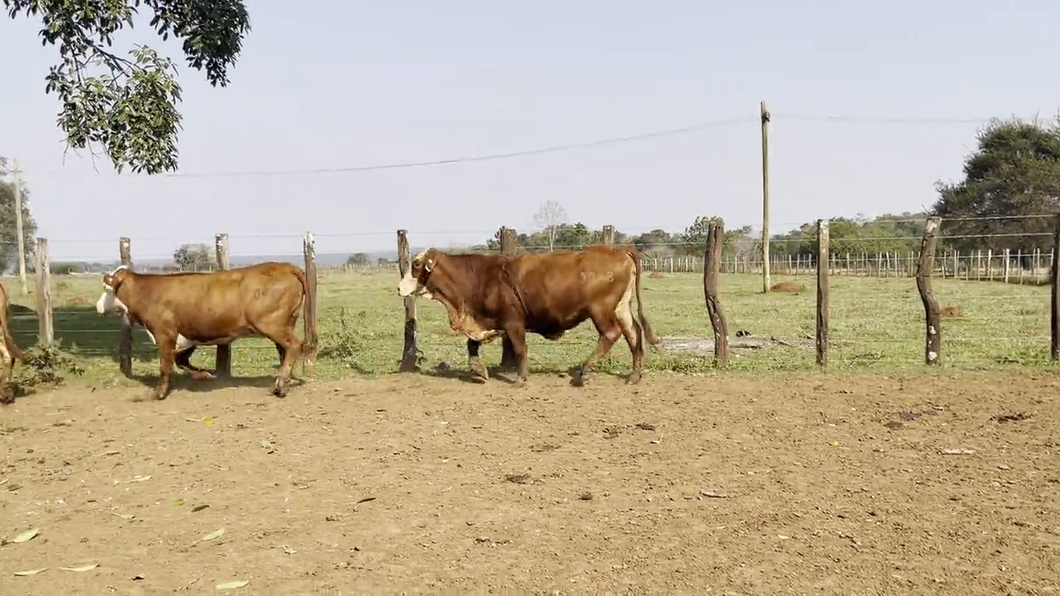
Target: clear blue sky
{"points": [[365, 83]]}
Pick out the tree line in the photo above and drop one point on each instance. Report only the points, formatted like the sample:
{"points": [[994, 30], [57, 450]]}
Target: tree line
{"points": [[1007, 199]]}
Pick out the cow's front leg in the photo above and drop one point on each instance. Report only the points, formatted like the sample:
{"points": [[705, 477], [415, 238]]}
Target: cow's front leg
{"points": [[517, 334], [508, 359], [167, 347], [473, 360]]}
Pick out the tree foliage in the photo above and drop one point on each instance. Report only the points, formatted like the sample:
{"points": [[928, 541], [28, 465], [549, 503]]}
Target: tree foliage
{"points": [[357, 258], [1011, 179], [9, 227], [193, 257], [127, 104]]}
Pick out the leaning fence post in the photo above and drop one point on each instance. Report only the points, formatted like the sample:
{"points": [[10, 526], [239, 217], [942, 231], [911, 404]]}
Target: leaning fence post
{"points": [[508, 359], [933, 339], [409, 351], [823, 298], [224, 352], [311, 333], [125, 333], [711, 273], [44, 293]]}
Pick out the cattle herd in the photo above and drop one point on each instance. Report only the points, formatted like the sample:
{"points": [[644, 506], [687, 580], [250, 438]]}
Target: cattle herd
{"points": [[485, 296]]}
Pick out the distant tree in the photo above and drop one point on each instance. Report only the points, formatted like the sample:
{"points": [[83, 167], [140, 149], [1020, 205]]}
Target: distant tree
{"points": [[358, 258], [549, 218], [127, 105], [9, 227], [382, 262], [1012, 176], [192, 257]]}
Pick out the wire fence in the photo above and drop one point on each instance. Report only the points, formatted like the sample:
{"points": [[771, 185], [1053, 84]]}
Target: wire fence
{"points": [[876, 317]]}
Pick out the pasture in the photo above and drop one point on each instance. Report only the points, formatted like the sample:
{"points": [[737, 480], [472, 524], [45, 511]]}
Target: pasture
{"points": [[772, 478]]}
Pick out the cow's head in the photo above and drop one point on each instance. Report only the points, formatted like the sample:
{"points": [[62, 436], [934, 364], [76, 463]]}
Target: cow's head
{"points": [[108, 302], [415, 281]]}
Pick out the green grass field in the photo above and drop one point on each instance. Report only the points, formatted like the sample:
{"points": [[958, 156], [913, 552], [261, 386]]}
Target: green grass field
{"points": [[876, 323]]}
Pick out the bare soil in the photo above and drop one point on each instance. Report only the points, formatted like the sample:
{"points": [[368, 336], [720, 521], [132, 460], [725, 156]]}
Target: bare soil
{"points": [[694, 485]]}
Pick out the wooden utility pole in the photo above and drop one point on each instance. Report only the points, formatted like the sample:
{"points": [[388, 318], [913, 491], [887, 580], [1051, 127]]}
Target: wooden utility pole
{"points": [[17, 187], [764, 112]]}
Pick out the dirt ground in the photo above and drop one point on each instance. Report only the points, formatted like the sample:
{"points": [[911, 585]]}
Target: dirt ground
{"points": [[704, 485]]}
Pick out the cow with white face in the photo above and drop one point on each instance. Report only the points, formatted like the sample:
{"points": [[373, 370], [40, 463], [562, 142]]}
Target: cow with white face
{"points": [[181, 311]]}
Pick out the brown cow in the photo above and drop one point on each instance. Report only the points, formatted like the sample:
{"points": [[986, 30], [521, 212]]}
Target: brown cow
{"points": [[183, 310], [8, 351], [488, 296]]}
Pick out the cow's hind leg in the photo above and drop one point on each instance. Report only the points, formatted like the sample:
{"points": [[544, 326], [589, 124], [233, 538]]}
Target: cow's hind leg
{"points": [[291, 348], [634, 335], [183, 361], [473, 360], [610, 330]]}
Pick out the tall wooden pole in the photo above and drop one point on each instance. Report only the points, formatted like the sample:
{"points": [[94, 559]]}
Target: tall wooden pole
{"points": [[18, 228], [764, 112]]}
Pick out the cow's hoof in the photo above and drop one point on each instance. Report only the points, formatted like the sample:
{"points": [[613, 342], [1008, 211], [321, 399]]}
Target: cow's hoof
{"points": [[201, 375], [633, 378], [479, 371], [279, 391], [520, 382]]}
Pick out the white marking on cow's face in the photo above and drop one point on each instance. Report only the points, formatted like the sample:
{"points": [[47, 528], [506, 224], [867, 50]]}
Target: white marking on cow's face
{"points": [[410, 285], [108, 302]]}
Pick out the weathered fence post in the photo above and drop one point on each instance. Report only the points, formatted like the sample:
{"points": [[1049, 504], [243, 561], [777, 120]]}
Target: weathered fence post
{"points": [[508, 359], [125, 333], [311, 333], [607, 236], [822, 292], [1054, 348], [933, 339], [224, 353], [711, 273], [44, 293], [408, 351]]}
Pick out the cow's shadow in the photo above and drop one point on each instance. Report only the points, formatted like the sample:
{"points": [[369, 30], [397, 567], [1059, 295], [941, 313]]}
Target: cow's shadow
{"points": [[507, 375], [86, 334]]}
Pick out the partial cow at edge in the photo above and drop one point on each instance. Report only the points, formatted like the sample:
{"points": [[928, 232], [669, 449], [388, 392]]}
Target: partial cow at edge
{"points": [[9, 351], [487, 296], [181, 311]]}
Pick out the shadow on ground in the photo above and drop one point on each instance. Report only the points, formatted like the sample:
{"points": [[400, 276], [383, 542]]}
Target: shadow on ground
{"points": [[84, 333]]}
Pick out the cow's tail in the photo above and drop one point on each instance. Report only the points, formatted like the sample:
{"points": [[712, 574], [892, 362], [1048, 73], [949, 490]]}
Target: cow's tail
{"points": [[9, 341], [649, 333], [309, 345]]}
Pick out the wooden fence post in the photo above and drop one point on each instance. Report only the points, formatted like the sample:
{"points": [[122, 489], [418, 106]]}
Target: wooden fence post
{"points": [[508, 247], [933, 339], [1054, 348], [311, 333], [409, 352], [711, 273], [44, 293], [224, 353], [607, 236], [125, 333], [822, 292]]}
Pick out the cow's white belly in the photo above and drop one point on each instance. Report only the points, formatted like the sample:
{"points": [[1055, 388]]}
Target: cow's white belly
{"points": [[184, 343]]}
